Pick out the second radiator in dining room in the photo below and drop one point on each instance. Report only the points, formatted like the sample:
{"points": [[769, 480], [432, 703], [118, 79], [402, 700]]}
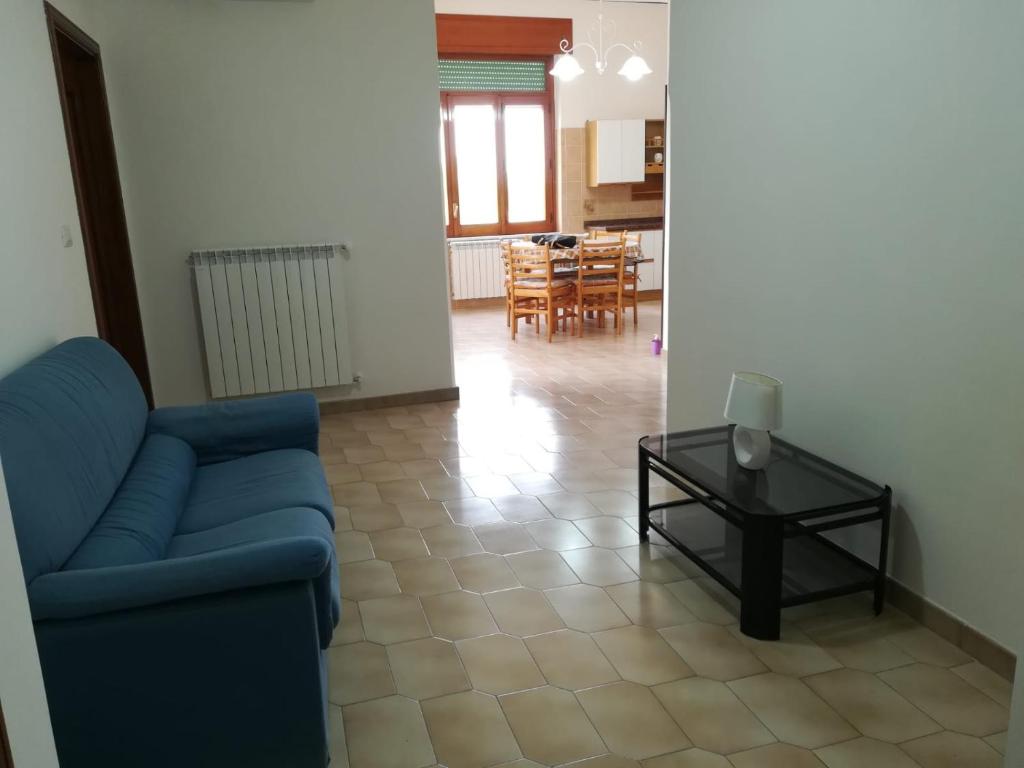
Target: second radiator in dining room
{"points": [[474, 266], [273, 319]]}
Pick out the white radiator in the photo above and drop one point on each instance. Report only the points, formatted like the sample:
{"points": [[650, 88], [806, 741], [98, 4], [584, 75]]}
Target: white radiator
{"points": [[273, 319], [475, 268]]}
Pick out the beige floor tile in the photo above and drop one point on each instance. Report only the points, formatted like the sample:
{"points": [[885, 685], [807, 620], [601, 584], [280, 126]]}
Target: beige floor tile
{"points": [[598, 566], [364, 454], [393, 619], [607, 531], [424, 669], [350, 628], [398, 544], [712, 651], [504, 538], [794, 653], [927, 647], [617, 503], [499, 664], [550, 726], [649, 604], [792, 711], [336, 745], [952, 702], [571, 659], [458, 615], [356, 494], [337, 474], [451, 541], [688, 758], [871, 706], [423, 468], [381, 471], [541, 569], [521, 508], [586, 608], [376, 517], [523, 612], [445, 488], [358, 672], [535, 483], [569, 506], [401, 491], [425, 576], [952, 750], [387, 733], [423, 514], [352, 546], [342, 519], [493, 485], [652, 563], [402, 452], [473, 511], [386, 437], [711, 715], [469, 730], [484, 573], [776, 756], [367, 580], [865, 753], [986, 681], [631, 720], [641, 655], [998, 742], [558, 535], [706, 600], [607, 761], [441, 449], [466, 466]]}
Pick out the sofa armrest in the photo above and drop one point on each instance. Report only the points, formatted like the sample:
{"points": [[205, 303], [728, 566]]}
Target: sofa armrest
{"points": [[87, 592], [235, 428]]}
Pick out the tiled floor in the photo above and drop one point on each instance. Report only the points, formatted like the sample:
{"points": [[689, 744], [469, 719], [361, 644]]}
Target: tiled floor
{"points": [[499, 609]]}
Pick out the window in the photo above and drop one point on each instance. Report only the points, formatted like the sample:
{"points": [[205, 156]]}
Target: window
{"points": [[497, 146]]}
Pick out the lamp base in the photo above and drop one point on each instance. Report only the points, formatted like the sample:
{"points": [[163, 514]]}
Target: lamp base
{"points": [[753, 447]]}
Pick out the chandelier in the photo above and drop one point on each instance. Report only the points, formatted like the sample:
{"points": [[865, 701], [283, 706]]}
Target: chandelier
{"points": [[568, 68]]}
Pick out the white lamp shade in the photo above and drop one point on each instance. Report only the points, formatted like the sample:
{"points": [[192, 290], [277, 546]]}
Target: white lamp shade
{"points": [[566, 68], [635, 68], [755, 401]]}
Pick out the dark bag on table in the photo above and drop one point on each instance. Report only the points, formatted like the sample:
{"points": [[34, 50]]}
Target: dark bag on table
{"points": [[556, 242]]}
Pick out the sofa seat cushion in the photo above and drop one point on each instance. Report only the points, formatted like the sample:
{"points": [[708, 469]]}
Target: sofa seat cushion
{"points": [[234, 490], [143, 515], [271, 526]]}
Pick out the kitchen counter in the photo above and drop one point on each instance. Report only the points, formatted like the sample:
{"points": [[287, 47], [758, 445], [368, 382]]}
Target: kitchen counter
{"points": [[647, 224]]}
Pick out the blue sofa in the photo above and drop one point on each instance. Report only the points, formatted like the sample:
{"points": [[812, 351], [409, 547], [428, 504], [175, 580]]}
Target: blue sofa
{"points": [[180, 566]]}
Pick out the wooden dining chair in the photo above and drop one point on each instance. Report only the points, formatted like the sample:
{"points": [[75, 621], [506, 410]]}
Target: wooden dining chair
{"points": [[536, 290], [505, 245], [631, 272], [600, 268]]}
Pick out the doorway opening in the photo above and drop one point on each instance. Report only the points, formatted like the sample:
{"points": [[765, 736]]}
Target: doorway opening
{"points": [[90, 140]]}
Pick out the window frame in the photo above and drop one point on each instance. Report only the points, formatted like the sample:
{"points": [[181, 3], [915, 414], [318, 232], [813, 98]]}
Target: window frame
{"points": [[500, 99]]}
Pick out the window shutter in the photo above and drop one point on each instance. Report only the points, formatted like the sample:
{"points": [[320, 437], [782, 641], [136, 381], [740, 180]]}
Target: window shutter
{"points": [[493, 76]]}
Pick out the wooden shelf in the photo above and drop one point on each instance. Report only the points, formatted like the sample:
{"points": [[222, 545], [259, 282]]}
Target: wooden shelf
{"points": [[654, 168]]}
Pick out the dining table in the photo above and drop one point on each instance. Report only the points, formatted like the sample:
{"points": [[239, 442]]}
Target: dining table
{"points": [[565, 257]]}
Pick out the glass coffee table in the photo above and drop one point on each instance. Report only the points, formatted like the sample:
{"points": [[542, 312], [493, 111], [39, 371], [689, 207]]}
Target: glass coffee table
{"points": [[801, 529]]}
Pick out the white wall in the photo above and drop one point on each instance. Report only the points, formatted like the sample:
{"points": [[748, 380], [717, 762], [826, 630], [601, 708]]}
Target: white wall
{"points": [[44, 298], [592, 96], [847, 213], [242, 123]]}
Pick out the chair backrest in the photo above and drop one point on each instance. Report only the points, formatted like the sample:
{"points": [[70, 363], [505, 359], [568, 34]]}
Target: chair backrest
{"points": [[606, 254], [530, 262], [71, 422], [631, 238]]}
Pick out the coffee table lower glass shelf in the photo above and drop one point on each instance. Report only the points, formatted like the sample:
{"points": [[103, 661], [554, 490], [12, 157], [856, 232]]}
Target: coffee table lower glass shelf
{"points": [[775, 557]]}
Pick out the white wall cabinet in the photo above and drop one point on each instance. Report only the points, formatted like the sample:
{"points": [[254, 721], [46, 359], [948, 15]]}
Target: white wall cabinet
{"points": [[651, 274], [615, 152]]}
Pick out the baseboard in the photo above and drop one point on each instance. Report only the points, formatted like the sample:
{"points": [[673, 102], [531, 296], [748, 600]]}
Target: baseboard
{"points": [[996, 657], [389, 401], [495, 301]]}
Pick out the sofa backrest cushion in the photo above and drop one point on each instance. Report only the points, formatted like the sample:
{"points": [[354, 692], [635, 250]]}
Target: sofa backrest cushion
{"points": [[71, 422], [141, 519]]}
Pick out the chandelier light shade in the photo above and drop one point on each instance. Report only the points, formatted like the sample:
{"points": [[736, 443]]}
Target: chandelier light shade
{"points": [[567, 68]]}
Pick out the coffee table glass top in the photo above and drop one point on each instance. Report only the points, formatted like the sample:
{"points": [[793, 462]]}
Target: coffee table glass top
{"points": [[794, 483]]}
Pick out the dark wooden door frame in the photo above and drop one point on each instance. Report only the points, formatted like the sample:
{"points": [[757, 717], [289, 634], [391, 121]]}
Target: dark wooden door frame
{"points": [[100, 201], [6, 760]]}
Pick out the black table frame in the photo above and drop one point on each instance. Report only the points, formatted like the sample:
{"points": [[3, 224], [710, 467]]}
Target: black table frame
{"points": [[760, 594]]}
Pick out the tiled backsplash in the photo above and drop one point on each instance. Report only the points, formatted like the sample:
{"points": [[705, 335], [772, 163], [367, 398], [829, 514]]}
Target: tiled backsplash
{"points": [[580, 202]]}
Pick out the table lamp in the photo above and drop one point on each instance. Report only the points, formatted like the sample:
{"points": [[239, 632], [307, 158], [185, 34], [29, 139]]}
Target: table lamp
{"points": [[754, 405]]}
